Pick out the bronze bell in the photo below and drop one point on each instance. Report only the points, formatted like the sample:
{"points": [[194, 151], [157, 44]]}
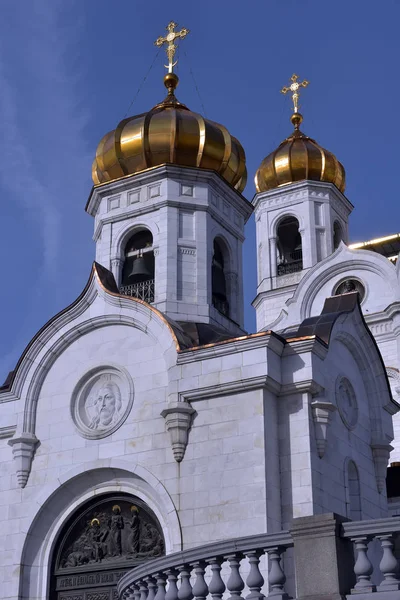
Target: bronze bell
{"points": [[218, 281], [140, 271]]}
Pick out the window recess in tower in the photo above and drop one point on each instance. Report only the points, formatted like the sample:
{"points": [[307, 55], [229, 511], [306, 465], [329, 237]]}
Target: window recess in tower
{"points": [[289, 251], [138, 267], [337, 234], [218, 277]]}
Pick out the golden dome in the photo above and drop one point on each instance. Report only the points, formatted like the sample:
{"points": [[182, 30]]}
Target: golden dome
{"points": [[296, 159], [169, 133]]}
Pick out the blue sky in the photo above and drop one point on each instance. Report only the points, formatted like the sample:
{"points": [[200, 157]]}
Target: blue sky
{"points": [[69, 70]]}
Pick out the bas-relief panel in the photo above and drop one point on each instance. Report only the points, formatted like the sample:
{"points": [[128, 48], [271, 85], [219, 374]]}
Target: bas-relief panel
{"points": [[101, 401]]}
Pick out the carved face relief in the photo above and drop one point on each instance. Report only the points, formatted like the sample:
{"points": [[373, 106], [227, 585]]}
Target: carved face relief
{"points": [[101, 401], [346, 402], [350, 285]]}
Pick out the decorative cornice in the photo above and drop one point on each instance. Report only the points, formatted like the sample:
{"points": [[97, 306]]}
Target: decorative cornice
{"points": [[263, 339], [303, 189], [154, 174], [7, 432]]}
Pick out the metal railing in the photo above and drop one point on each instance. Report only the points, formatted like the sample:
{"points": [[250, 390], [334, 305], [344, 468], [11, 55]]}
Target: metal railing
{"points": [[144, 290], [184, 573], [221, 305], [292, 263]]}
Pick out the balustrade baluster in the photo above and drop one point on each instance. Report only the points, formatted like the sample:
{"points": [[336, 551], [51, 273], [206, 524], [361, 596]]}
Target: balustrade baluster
{"points": [[276, 576], [172, 592], [185, 589], [389, 566], [216, 586], [161, 583], [143, 589], [235, 583], [200, 588], [255, 580], [135, 591], [152, 587], [363, 567]]}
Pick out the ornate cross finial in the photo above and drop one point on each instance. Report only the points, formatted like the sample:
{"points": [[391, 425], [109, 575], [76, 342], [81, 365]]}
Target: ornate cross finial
{"points": [[294, 88], [169, 39]]}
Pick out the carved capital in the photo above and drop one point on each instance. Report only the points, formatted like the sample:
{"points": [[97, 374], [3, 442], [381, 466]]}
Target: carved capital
{"points": [[380, 453], [23, 448], [178, 420], [321, 413]]}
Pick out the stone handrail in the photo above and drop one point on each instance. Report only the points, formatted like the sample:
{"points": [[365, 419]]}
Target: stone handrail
{"points": [[169, 577], [361, 533]]}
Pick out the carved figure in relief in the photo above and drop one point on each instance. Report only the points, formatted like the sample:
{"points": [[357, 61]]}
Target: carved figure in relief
{"points": [[116, 524], [98, 538], [151, 543], [134, 535], [108, 406]]}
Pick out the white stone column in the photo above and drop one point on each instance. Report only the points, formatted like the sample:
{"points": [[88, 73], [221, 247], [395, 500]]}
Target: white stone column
{"points": [[273, 256]]}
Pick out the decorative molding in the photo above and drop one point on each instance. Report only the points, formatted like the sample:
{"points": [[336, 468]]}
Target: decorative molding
{"points": [[23, 449], [321, 412], [186, 190], [153, 191], [134, 196], [7, 432], [178, 420], [380, 453], [346, 401], [191, 251], [114, 202]]}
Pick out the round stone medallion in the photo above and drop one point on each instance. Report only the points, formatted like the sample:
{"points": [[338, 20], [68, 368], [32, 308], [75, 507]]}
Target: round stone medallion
{"points": [[101, 401], [346, 402], [350, 285]]}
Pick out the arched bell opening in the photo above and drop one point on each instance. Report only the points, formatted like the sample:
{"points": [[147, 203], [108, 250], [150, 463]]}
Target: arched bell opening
{"points": [[289, 248], [138, 267], [218, 278], [100, 542], [337, 234]]}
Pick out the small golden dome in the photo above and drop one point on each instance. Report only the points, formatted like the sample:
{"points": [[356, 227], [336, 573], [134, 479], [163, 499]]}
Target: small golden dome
{"points": [[296, 159], [169, 133]]}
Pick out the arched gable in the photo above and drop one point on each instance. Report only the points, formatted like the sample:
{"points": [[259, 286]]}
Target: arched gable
{"points": [[327, 273]]}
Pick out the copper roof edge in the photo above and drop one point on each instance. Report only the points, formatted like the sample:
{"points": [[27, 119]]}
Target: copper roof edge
{"points": [[240, 338]]}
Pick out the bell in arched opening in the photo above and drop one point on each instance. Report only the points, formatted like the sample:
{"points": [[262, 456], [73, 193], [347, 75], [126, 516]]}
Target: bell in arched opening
{"points": [[290, 258], [218, 281], [138, 269]]}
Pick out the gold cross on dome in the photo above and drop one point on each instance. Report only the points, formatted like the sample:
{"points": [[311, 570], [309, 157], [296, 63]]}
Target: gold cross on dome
{"points": [[294, 88], [169, 39]]}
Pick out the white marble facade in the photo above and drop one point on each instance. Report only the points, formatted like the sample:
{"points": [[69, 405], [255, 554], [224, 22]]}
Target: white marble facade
{"points": [[232, 438], [284, 302]]}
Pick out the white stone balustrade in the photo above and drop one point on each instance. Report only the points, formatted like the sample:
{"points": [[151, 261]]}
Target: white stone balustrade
{"points": [[182, 576]]}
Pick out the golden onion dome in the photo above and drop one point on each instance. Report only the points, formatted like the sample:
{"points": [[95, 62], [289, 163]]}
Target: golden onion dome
{"points": [[298, 158], [169, 133]]}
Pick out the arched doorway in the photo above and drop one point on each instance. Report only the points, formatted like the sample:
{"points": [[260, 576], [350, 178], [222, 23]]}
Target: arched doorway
{"points": [[101, 541]]}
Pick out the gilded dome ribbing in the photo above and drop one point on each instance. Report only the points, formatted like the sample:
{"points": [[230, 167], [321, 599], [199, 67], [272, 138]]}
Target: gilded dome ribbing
{"points": [[298, 158], [169, 133]]}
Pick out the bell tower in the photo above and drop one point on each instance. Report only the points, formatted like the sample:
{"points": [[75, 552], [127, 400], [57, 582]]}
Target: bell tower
{"points": [[169, 213], [301, 214]]}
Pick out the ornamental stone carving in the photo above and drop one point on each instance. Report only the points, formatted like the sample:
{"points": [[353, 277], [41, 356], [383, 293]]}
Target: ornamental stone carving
{"points": [[346, 402], [102, 401], [23, 448], [178, 419]]}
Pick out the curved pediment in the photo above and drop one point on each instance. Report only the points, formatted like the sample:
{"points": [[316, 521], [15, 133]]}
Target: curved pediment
{"points": [[372, 270]]}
